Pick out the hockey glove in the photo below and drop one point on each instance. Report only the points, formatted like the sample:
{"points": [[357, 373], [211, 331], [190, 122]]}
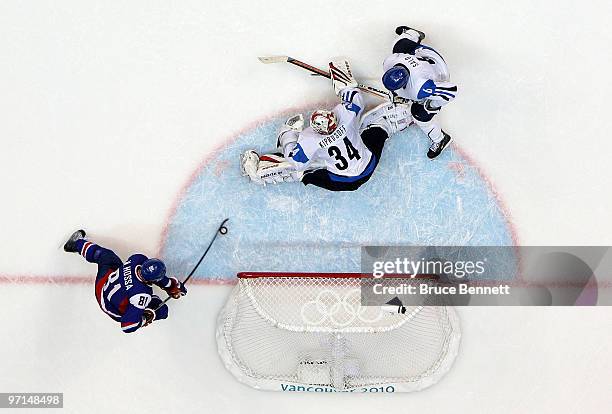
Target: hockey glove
{"points": [[296, 122], [148, 317], [176, 288], [341, 75], [289, 132]]}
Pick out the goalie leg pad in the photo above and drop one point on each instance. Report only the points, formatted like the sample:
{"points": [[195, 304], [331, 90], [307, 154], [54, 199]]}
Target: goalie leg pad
{"points": [[249, 160], [268, 169], [391, 117]]}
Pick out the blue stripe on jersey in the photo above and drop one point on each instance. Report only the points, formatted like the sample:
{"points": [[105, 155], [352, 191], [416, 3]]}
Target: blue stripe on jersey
{"points": [[299, 155], [439, 92], [347, 98], [343, 179], [427, 89], [352, 107]]}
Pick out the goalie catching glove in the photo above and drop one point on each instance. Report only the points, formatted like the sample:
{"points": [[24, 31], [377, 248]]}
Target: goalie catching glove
{"points": [[290, 131], [296, 122]]}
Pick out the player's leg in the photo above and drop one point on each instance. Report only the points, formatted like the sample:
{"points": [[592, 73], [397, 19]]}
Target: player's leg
{"points": [[425, 120], [390, 117], [106, 259], [268, 168], [408, 40], [374, 137], [324, 179]]}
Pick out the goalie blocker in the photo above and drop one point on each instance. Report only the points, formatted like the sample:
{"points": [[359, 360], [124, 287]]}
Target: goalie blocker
{"points": [[339, 150]]}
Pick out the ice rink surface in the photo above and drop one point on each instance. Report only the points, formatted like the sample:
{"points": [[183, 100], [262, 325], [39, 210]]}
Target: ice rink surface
{"points": [[410, 200], [109, 112]]}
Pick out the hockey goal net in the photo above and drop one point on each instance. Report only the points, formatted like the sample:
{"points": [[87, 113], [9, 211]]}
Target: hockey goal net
{"points": [[309, 332]]}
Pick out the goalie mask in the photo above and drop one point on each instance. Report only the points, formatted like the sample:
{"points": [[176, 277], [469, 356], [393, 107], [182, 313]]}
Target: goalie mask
{"points": [[323, 122]]}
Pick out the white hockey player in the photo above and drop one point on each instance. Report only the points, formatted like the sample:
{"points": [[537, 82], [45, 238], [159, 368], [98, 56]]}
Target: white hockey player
{"points": [[417, 72], [339, 150]]}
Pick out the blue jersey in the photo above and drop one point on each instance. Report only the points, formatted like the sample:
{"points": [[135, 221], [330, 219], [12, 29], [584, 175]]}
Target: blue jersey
{"points": [[119, 291], [122, 296]]}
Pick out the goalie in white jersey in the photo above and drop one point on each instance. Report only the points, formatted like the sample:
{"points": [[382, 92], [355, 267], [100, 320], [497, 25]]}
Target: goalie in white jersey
{"points": [[340, 149], [419, 73]]}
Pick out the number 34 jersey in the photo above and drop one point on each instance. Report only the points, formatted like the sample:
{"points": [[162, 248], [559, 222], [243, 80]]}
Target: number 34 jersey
{"points": [[341, 152]]}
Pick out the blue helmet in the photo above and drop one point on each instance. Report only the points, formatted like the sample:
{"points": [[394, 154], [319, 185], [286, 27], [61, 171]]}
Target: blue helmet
{"points": [[153, 270], [396, 77]]}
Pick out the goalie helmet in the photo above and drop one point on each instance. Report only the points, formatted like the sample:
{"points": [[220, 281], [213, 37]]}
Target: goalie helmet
{"points": [[323, 122], [396, 77]]}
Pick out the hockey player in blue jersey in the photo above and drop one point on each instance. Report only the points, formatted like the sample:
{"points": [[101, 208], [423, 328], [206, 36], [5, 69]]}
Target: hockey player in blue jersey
{"points": [[124, 290], [418, 73]]}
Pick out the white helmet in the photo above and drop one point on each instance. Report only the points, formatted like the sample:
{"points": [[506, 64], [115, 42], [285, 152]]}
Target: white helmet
{"points": [[323, 122]]}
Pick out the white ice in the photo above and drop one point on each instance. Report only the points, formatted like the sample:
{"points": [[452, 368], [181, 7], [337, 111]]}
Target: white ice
{"points": [[107, 108]]}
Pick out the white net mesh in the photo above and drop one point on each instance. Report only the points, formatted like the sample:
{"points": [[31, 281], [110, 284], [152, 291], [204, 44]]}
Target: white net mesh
{"points": [[313, 330]]}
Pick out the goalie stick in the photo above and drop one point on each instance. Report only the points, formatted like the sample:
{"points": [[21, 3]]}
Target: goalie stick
{"points": [[222, 229], [320, 72]]}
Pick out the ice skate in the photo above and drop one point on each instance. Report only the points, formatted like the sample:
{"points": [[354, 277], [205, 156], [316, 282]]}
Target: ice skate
{"points": [[70, 245], [436, 148]]}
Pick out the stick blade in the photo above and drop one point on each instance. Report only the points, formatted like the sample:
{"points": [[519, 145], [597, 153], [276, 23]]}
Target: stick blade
{"points": [[273, 59]]}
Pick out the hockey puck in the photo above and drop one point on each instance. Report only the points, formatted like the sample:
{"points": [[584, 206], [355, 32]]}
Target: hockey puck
{"points": [[223, 230]]}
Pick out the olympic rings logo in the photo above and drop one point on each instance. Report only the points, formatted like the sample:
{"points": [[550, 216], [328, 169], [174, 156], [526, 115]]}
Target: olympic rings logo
{"points": [[329, 307]]}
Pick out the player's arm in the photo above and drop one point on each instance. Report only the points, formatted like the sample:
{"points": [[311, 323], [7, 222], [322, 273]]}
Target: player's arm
{"points": [[289, 134], [133, 317], [345, 87], [156, 310], [432, 57], [172, 286], [437, 93], [291, 143], [352, 102]]}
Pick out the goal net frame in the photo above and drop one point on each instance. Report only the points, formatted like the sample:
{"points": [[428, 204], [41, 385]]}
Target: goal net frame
{"points": [[313, 328]]}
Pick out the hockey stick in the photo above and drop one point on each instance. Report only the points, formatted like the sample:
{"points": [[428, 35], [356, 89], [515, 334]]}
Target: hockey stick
{"points": [[319, 72], [220, 230]]}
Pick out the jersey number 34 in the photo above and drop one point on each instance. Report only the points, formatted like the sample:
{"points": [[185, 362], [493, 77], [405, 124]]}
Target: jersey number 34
{"points": [[352, 153]]}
